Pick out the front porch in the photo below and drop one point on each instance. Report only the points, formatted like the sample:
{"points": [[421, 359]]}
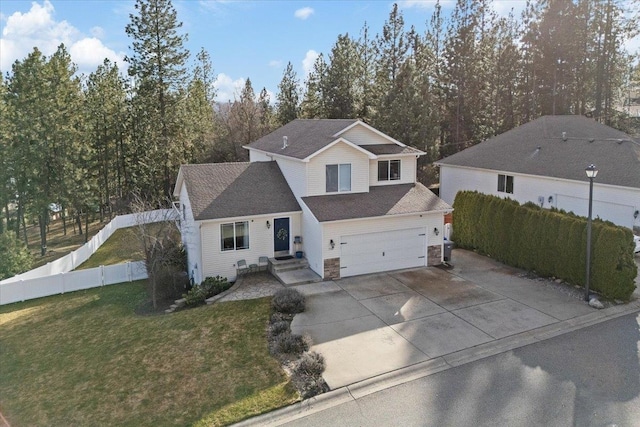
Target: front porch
{"points": [[292, 271]]}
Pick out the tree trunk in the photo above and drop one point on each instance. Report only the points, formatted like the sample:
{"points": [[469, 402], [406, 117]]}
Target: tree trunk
{"points": [[42, 220], [79, 222], [24, 230], [86, 226], [64, 220]]}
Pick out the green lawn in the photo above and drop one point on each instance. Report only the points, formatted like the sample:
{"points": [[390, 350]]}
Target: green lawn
{"points": [[87, 359], [122, 246]]}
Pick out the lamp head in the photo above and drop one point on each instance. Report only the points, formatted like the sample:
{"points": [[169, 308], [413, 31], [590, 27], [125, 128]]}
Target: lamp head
{"points": [[591, 171]]}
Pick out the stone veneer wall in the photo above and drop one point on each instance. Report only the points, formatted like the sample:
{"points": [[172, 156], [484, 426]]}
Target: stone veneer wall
{"points": [[332, 268], [434, 255]]}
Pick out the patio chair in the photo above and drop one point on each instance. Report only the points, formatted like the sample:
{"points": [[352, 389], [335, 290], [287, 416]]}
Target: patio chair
{"points": [[263, 263], [242, 267]]}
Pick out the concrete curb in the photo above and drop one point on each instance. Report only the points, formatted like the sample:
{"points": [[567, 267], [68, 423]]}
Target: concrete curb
{"points": [[388, 380]]}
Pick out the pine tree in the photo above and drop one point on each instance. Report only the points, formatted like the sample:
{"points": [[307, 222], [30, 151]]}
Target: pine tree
{"points": [[338, 86], [314, 103], [288, 98], [158, 66], [105, 108]]}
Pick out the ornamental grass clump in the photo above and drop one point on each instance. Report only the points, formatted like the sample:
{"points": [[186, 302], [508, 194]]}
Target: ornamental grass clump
{"points": [[306, 375], [288, 301]]}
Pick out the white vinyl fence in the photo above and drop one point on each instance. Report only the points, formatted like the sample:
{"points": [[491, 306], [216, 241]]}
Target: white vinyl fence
{"points": [[39, 287], [58, 276]]}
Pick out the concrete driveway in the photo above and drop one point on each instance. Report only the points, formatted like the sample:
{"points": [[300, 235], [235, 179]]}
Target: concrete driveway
{"points": [[370, 325]]}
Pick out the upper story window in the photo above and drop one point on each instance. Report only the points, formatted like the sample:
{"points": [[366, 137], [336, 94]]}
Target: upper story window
{"points": [[234, 236], [338, 177], [505, 184], [388, 170]]}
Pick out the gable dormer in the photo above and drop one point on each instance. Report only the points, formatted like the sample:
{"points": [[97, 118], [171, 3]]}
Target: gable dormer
{"points": [[334, 156]]}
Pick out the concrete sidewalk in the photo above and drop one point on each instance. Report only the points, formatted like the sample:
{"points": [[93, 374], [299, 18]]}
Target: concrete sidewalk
{"points": [[366, 326]]}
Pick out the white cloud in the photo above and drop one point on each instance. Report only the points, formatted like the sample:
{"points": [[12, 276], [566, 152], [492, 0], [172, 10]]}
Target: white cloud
{"points": [[97, 32], [504, 7], [227, 89], [303, 13], [38, 28], [422, 4], [275, 63], [308, 61], [88, 53]]}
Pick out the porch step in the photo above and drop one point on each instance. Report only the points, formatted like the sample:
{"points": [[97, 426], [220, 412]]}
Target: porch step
{"points": [[276, 266], [293, 271]]}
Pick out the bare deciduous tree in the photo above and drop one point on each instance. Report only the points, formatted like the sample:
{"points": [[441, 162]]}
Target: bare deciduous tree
{"points": [[159, 238]]}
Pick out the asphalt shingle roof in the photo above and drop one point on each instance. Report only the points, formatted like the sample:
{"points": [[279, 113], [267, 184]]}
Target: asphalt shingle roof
{"points": [[305, 137], [381, 149], [538, 148], [224, 190], [379, 201]]}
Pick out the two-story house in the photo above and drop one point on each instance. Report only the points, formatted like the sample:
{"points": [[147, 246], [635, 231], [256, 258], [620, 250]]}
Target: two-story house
{"points": [[340, 191]]}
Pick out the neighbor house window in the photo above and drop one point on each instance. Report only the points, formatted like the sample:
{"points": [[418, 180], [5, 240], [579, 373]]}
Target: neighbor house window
{"points": [[505, 184], [338, 178], [388, 170], [234, 236]]}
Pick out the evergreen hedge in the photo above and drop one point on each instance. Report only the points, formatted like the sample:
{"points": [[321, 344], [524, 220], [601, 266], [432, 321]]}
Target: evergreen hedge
{"points": [[549, 242]]}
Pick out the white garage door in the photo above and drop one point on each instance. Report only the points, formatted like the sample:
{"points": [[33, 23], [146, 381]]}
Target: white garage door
{"points": [[616, 213], [383, 251]]}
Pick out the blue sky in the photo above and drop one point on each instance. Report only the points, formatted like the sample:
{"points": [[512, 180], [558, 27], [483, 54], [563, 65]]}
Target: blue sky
{"points": [[253, 39]]}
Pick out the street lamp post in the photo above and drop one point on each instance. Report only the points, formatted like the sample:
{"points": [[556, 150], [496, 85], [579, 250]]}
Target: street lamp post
{"points": [[591, 172]]}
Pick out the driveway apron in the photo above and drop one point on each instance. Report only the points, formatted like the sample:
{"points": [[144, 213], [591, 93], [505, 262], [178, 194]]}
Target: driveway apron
{"points": [[369, 325]]}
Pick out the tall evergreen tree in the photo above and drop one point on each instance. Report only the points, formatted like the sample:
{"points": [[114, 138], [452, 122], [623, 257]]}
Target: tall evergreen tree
{"points": [[288, 98], [338, 86], [314, 103], [158, 65], [105, 107]]}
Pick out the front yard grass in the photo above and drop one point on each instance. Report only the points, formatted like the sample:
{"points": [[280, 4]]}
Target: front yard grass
{"points": [[87, 359], [121, 246]]}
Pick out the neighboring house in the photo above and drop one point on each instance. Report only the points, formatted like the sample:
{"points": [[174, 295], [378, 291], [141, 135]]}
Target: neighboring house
{"points": [[544, 162], [347, 190]]}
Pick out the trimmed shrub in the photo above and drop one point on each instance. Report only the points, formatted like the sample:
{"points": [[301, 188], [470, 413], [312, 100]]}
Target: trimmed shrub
{"points": [[289, 301], [211, 286], [288, 344], [549, 242], [278, 328], [307, 375], [277, 317]]}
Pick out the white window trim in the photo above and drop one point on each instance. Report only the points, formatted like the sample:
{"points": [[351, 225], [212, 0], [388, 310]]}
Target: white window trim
{"points": [[235, 249], [506, 183], [339, 168], [388, 162]]}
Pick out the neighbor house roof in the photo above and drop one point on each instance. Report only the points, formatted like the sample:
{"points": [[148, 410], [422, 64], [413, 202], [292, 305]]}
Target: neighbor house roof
{"points": [[225, 190], [379, 201], [559, 147]]}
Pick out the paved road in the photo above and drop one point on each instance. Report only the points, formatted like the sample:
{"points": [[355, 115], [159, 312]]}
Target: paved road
{"points": [[590, 377]]}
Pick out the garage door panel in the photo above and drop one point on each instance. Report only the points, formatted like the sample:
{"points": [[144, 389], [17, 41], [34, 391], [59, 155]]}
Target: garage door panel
{"points": [[382, 251]]}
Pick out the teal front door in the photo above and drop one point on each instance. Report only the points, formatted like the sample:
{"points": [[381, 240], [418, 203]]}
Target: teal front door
{"points": [[281, 235]]}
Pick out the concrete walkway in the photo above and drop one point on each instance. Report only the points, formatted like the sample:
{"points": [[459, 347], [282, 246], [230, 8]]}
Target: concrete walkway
{"points": [[371, 325], [254, 285]]}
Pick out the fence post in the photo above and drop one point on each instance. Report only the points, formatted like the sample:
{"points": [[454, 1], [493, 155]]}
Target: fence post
{"points": [[102, 275], [129, 270], [22, 287], [61, 275]]}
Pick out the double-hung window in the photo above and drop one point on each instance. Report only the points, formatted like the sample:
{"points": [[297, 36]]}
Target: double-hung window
{"points": [[234, 236], [388, 170], [505, 184], [338, 178]]}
